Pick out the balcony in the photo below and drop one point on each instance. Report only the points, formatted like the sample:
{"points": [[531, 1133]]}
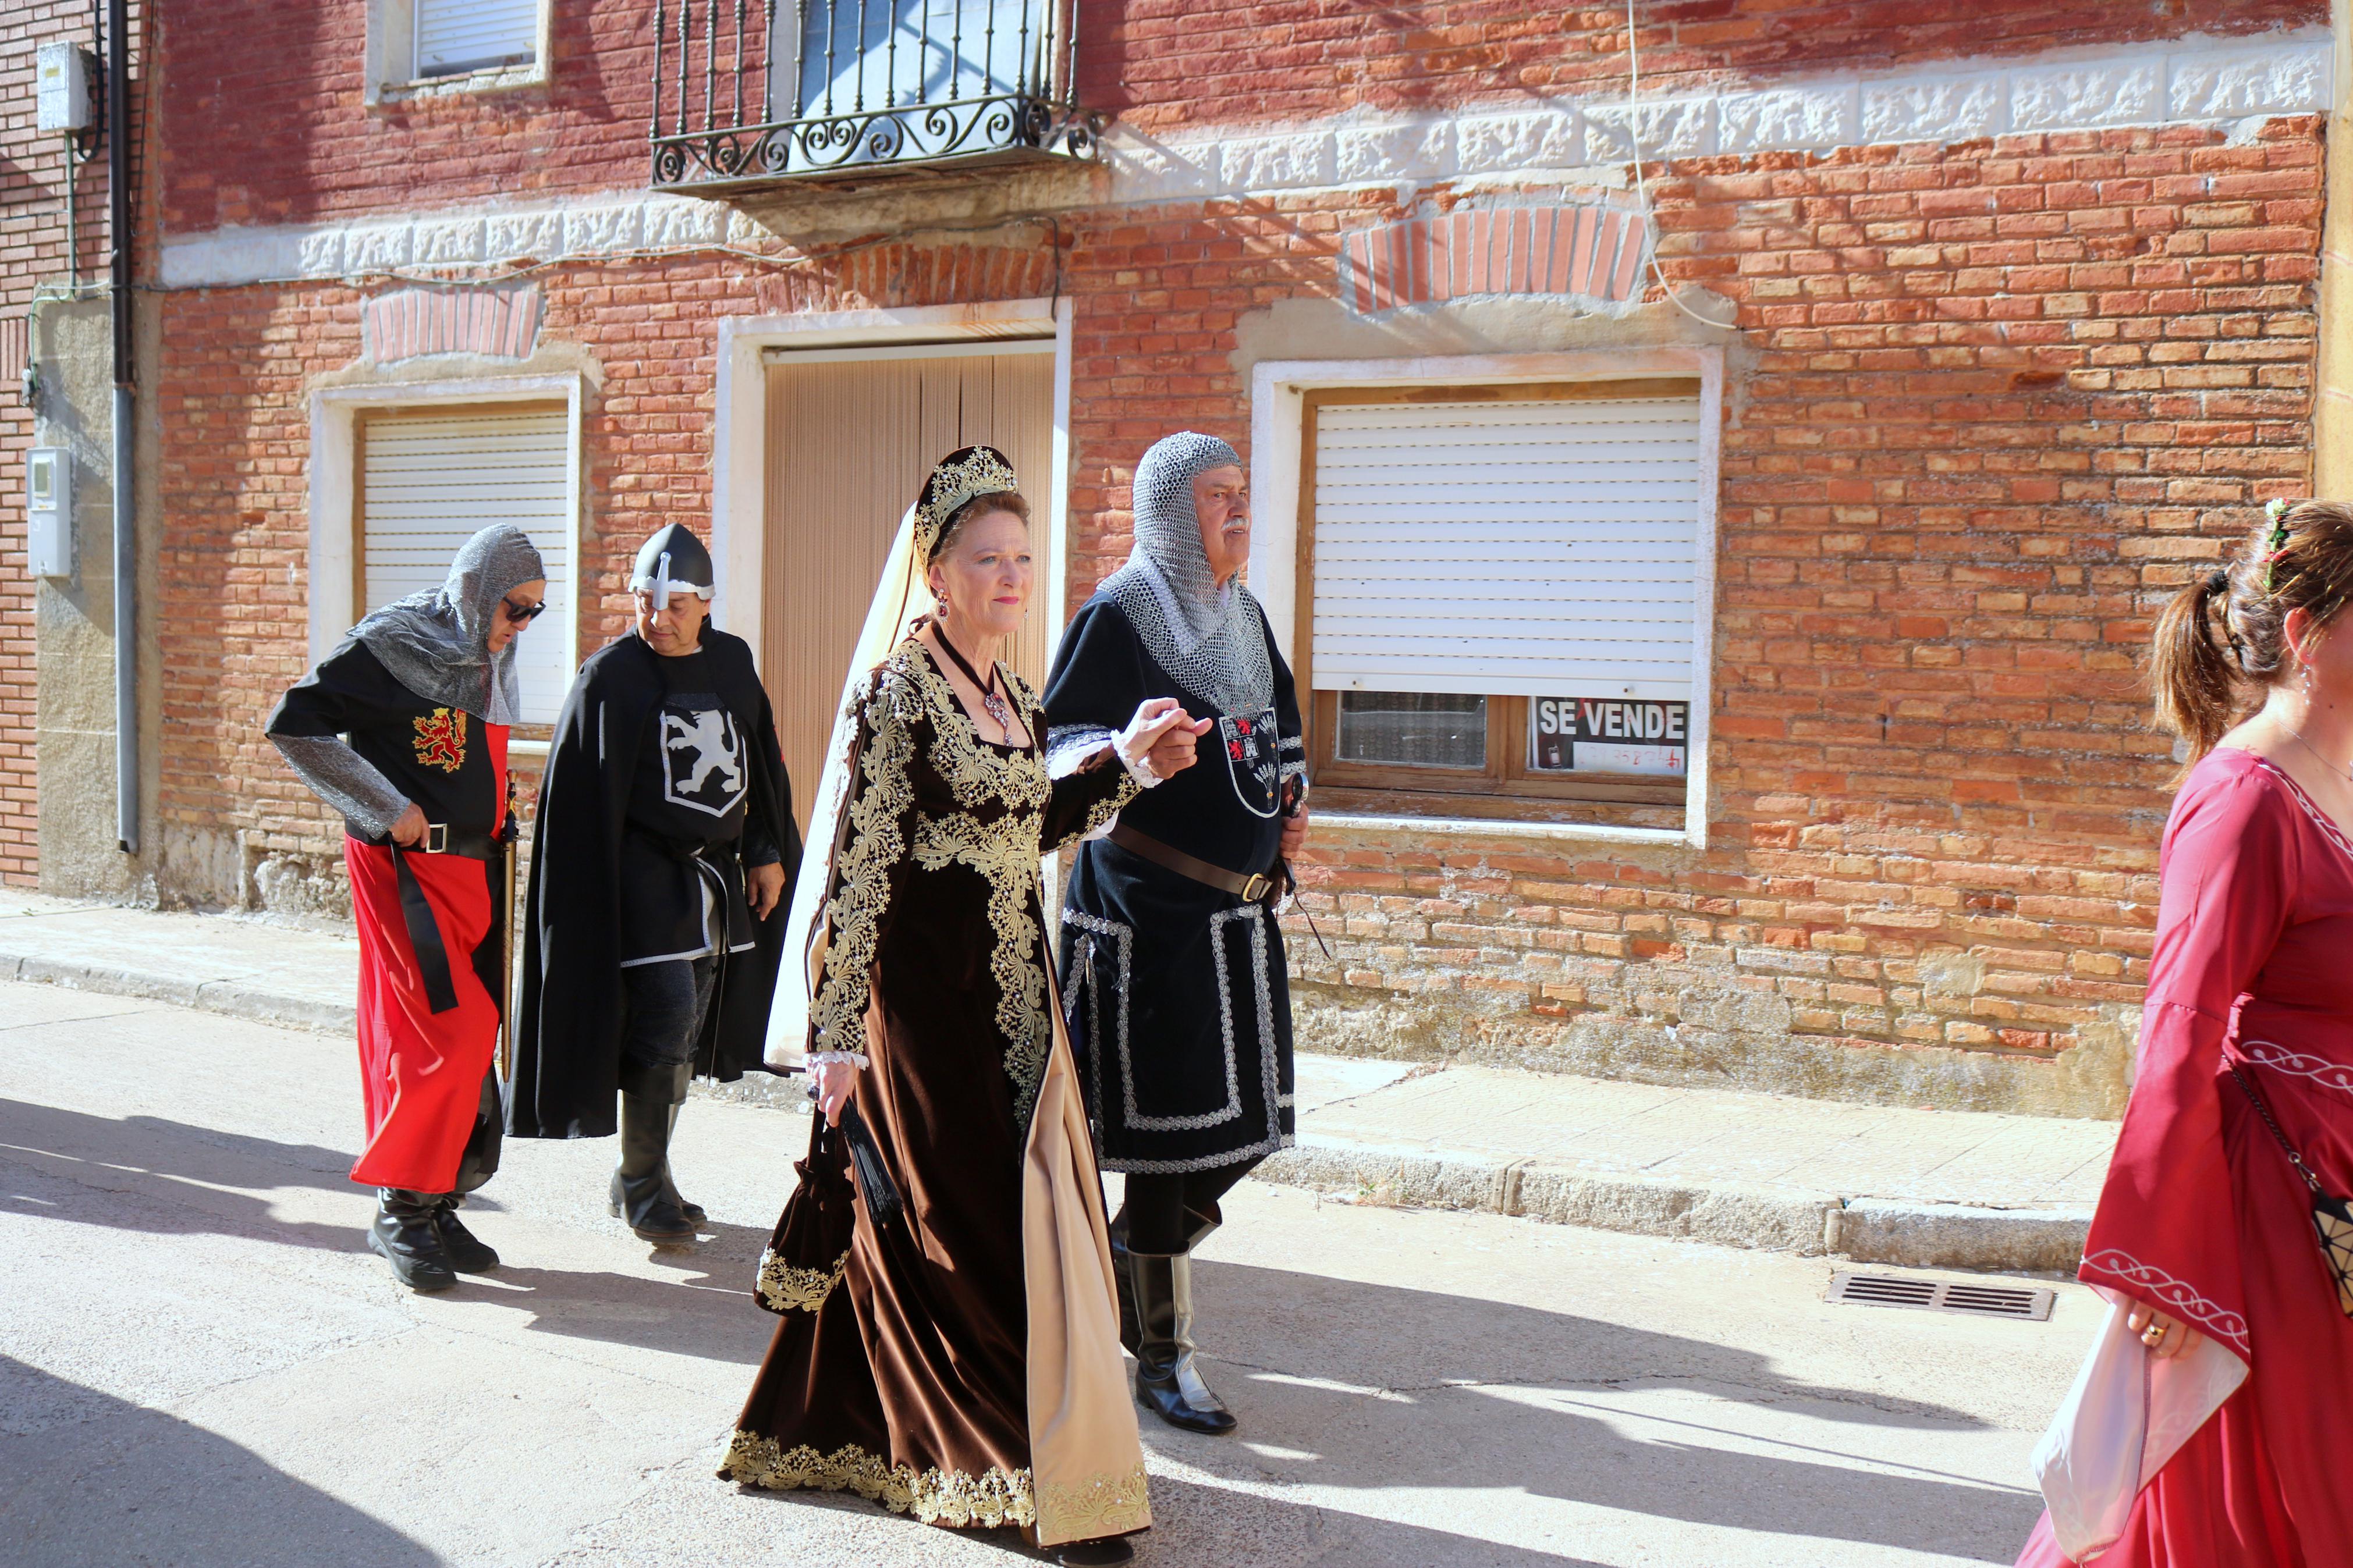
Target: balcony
{"points": [[753, 93]]}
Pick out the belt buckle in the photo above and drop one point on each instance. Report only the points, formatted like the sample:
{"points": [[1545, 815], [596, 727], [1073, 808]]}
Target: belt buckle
{"points": [[1257, 888], [436, 839]]}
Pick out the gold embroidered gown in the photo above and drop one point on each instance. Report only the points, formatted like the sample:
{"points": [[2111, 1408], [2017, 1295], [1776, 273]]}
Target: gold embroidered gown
{"points": [[962, 1364]]}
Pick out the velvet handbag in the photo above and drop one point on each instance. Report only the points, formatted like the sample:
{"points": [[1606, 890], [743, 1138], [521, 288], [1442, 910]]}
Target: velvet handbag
{"points": [[811, 1247]]}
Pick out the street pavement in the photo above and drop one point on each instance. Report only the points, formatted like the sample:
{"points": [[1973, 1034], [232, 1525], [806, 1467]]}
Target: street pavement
{"points": [[1884, 1183], [202, 1366]]}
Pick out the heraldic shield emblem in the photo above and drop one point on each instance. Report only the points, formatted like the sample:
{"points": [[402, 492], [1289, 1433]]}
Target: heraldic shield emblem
{"points": [[702, 758], [1251, 761]]}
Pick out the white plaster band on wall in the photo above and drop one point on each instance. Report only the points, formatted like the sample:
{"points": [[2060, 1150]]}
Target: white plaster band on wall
{"points": [[1591, 250], [2198, 82]]}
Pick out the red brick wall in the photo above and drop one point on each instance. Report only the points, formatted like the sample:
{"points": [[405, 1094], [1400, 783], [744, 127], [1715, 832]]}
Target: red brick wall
{"points": [[234, 411], [1167, 63], [265, 120], [1991, 405]]}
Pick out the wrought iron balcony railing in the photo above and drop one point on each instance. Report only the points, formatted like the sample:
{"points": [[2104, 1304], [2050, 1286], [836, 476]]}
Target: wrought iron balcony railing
{"points": [[751, 92]]}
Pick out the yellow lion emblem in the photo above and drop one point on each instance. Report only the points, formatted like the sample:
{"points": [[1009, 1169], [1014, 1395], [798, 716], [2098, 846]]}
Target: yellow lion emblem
{"points": [[441, 739]]}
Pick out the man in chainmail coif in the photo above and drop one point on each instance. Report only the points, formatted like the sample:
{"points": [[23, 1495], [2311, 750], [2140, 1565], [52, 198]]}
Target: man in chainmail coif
{"points": [[1172, 962], [402, 731]]}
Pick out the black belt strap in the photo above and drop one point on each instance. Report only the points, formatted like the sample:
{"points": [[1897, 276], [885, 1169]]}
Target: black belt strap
{"points": [[424, 936]]}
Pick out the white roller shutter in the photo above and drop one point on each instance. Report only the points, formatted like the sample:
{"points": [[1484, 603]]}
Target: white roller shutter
{"points": [[1535, 548], [455, 36], [431, 481]]}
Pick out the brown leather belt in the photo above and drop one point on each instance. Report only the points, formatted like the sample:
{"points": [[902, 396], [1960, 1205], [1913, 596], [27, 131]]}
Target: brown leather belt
{"points": [[1252, 889]]}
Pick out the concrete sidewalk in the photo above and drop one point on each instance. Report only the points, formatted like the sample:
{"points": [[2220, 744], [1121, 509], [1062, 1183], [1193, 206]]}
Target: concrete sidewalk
{"points": [[1876, 1183]]}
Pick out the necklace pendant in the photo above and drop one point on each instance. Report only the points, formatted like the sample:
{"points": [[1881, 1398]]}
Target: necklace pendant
{"points": [[997, 708]]}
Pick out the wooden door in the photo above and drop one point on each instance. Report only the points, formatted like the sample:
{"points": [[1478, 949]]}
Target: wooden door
{"points": [[850, 442]]}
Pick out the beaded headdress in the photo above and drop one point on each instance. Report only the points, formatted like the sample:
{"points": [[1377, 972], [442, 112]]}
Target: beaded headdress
{"points": [[963, 474]]}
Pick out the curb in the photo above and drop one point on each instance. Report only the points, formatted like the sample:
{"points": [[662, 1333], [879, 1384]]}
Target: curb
{"points": [[232, 999], [1778, 1219], [225, 996], [1775, 1219]]}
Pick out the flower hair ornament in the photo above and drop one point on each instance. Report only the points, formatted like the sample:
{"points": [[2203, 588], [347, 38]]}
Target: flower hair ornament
{"points": [[2277, 511]]}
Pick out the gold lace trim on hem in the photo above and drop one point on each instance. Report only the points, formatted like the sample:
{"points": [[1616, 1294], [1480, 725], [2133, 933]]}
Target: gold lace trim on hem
{"points": [[1098, 1505], [995, 1498], [781, 1285]]}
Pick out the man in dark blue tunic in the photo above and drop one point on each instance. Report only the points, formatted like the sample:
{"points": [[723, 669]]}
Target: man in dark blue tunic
{"points": [[1172, 962]]}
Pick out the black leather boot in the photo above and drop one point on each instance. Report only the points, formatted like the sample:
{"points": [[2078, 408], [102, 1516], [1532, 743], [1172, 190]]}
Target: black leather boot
{"points": [[1166, 1378], [469, 1254], [694, 1212], [405, 1235], [641, 1193], [1102, 1552], [1130, 1334]]}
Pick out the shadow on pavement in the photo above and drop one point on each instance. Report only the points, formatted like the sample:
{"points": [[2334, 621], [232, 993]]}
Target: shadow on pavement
{"points": [[114, 1155], [99, 1483], [1364, 1386], [1374, 1386]]}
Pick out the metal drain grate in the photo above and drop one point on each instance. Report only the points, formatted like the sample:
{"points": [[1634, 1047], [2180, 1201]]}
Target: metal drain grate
{"points": [[1942, 1296]]}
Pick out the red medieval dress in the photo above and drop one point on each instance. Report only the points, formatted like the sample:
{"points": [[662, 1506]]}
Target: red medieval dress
{"points": [[2203, 1217]]}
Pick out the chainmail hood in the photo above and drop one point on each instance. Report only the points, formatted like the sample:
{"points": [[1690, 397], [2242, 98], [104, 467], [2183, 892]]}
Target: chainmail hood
{"points": [[437, 643], [1212, 640]]}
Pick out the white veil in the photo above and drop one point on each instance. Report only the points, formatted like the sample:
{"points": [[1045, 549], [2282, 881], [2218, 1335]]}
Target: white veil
{"points": [[899, 594]]}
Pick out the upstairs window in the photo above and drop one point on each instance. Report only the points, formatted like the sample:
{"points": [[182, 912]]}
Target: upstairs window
{"points": [[856, 58], [458, 37], [1503, 599]]}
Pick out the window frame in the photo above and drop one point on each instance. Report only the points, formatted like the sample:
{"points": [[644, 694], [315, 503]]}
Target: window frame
{"points": [[1506, 787], [336, 569], [391, 58]]}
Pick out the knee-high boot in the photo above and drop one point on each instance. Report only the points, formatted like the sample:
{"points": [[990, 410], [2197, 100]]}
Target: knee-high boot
{"points": [[641, 1192], [1167, 1375], [694, 1212], [1130, 1334]]}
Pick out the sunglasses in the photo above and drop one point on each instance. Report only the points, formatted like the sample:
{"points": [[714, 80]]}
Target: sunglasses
{"points": [[521, 615]]}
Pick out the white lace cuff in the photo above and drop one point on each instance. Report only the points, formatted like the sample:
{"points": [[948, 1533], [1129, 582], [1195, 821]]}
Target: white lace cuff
{"points": [[823, 1058], [1143, 776]]}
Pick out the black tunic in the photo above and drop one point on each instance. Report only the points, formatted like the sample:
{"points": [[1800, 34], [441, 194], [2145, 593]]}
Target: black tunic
{"points": [[1177, 995], [687, 836], [662, 783], [439, 757]]}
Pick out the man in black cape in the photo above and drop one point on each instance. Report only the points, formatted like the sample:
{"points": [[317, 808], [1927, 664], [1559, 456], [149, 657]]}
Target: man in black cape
{"points": [[662, 848]]}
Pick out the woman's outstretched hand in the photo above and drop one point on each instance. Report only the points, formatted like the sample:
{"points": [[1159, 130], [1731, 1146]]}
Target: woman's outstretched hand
{"points": [[1159, 739]]}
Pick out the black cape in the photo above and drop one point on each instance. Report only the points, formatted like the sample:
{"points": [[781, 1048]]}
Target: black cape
{"points": [[569, 1028]]}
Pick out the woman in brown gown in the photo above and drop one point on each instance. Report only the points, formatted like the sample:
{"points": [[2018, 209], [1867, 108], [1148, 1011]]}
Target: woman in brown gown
{"points": [[962, 1362]]}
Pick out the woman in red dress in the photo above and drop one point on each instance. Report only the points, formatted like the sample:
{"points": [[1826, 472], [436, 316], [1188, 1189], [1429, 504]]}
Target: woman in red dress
{"points": [[2213, 1424]]}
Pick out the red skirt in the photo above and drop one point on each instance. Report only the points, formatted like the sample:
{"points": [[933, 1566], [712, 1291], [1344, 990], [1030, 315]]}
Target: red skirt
{"points": [[2262, 1483], [420, 1071]]}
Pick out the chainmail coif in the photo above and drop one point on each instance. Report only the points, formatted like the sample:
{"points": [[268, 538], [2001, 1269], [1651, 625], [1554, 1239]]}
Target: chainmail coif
{"points": [[1211, 640]]}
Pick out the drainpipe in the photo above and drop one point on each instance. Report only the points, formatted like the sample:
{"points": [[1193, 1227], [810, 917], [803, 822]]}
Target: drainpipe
{"points": [[2332, 410], [126, 551]]}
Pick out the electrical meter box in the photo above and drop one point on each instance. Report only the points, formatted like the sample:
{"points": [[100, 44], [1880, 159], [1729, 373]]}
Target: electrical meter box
{"points": [[48, 511], [61, 89]]}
